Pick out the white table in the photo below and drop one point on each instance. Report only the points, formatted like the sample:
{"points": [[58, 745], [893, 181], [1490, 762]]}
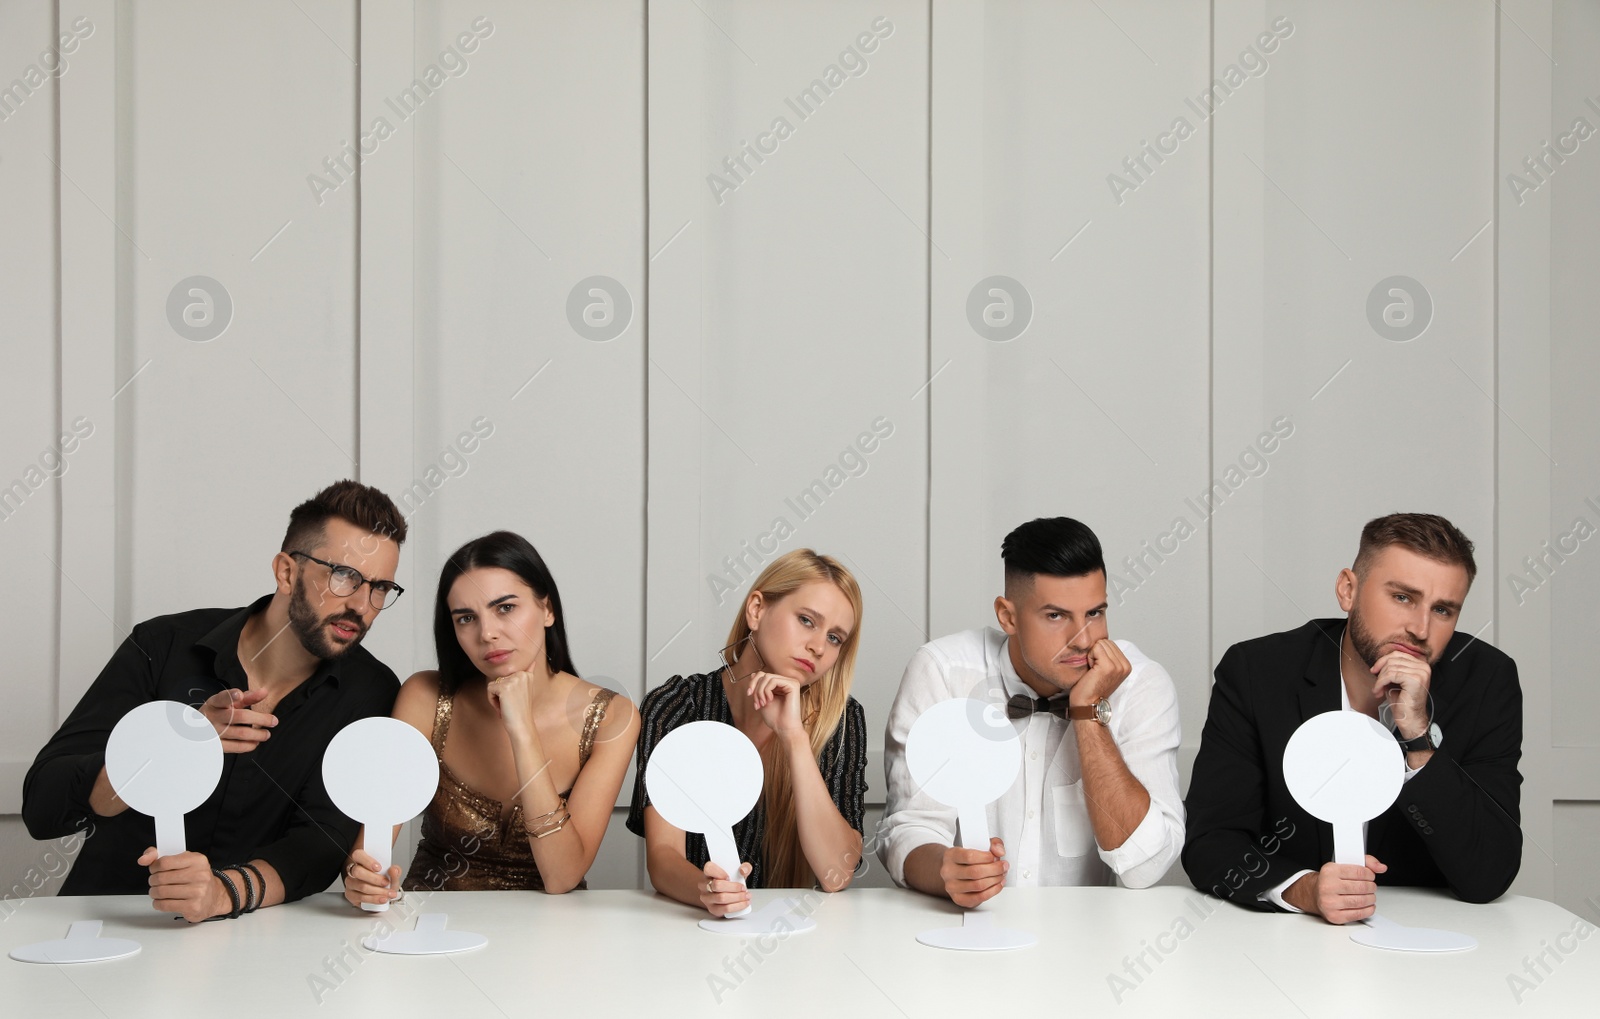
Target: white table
{"points": [[601, 953]]}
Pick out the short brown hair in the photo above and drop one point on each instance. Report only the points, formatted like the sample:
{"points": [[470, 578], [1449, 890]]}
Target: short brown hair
{"points": [[1426, 534], [351, 501]]}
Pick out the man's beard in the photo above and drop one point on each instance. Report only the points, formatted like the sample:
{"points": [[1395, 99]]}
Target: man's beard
{"points": [[1367, 646], [311, 630]]}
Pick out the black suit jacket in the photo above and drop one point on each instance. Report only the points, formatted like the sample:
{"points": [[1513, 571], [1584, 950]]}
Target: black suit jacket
{"points": [[1454, 824]]}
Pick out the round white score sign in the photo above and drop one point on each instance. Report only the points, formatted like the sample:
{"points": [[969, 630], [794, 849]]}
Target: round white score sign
{"points": [[1343, 768], [164, 759], [964, 753], [704, 777], [381, 772]]}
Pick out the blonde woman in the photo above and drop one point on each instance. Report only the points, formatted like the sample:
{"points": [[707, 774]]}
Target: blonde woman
{"points": [[530, 756], [785, 683]]}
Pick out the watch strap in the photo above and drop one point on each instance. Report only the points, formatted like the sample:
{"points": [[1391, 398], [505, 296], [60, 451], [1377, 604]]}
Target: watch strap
{"points": [[1089, 712], [1422, 741]]}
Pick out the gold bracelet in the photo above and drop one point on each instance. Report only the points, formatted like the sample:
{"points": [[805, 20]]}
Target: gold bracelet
{"points": [[533, 822], [547, 823], [552, 827], [556, 827]]}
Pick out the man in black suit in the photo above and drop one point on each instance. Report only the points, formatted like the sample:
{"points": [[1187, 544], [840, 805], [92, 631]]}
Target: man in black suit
{"points": [[1453, 701]]}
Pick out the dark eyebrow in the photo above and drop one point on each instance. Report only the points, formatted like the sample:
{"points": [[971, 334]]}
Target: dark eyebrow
{"points": [[497, 601], [363, 576], [1068, 612], [1395, 585]]}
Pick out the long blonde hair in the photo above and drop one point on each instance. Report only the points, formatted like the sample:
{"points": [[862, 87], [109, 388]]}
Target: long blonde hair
{"points": [[822, 706]]}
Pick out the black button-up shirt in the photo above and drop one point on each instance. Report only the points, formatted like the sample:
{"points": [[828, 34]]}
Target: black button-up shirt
{"points": [[270, 803]]}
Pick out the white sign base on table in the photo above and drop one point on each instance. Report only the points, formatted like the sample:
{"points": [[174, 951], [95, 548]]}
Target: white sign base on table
{"points": [[977, 933], [780, 917], [1380, 932], [428, 938], [83, 943]]}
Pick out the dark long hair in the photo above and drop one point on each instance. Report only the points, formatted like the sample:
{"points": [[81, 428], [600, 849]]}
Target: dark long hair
{"points": [[506, 551]]}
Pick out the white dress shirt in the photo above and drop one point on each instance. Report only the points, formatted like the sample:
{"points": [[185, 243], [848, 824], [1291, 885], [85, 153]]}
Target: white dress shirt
{"points": [[1275, 895], [1042, 818]]}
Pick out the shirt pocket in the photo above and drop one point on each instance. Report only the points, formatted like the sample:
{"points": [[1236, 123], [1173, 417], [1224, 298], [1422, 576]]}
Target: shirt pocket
{"points": [[1074, 833]]}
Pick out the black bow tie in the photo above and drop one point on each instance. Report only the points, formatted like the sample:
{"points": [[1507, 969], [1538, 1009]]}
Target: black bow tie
{"points": [[1021, 706]]}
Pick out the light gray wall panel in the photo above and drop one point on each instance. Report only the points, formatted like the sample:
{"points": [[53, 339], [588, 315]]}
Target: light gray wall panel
{"points": [[1308, 196], [32, 455], [508, 223], [224, 435], [787, 318], [1570, 579], [1098, 408]]}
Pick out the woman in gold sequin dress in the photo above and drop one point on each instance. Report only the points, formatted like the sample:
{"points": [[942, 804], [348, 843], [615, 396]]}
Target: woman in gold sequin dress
{"points": [[530, 756]]}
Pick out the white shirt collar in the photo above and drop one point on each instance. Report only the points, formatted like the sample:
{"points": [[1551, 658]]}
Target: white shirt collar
{"points": [[1009, 680]]}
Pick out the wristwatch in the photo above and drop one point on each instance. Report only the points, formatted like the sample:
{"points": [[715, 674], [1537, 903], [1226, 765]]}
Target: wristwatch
{"points": [[1099, 711], [1430, 739]]}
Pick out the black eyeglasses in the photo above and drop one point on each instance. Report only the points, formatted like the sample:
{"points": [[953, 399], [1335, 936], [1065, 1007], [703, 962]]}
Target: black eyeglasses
{"points": [[344, 581]]}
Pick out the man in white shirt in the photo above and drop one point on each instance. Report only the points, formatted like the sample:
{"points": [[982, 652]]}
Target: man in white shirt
{"points": [[1097, 795]]}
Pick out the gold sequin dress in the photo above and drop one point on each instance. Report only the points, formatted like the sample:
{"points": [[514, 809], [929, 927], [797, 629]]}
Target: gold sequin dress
{"points": [[468, 841]]}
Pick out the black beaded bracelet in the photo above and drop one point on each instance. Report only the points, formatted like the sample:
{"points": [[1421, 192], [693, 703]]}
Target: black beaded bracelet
{"points": [[261, 885], [231, 889]]}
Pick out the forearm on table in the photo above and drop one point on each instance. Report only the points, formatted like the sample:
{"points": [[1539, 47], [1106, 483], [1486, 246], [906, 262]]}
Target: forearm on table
{"points": [[1232, 864], [832, 848], [307, 857], [562, 858], [267, 891], [1479, 848], [922, 870], [1302, 893], [673, 875], [273, 894]]}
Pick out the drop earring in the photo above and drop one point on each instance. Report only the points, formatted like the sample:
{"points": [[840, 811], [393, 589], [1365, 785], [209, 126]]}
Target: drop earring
{"points": [[729, 659]]}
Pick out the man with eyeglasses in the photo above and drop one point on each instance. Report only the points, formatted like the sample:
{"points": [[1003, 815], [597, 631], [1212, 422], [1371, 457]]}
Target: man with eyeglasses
{"points": [[277, 679]]}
